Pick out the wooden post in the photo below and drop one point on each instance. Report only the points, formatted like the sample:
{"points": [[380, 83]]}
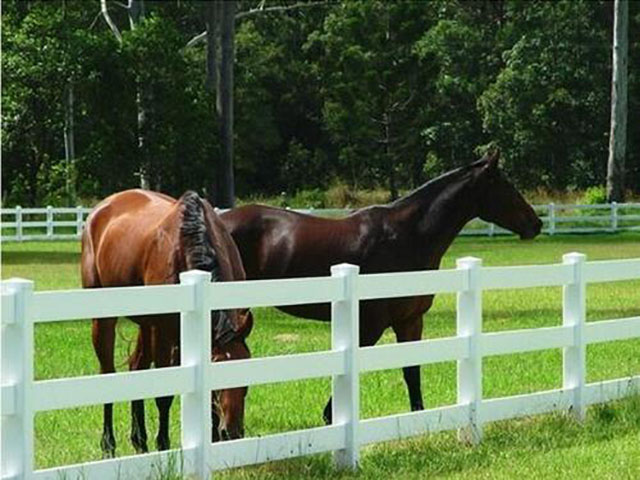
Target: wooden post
{"points": [[49, 221], [552, 218], [346, 388], [469, 324], [79, 221], [195, 351], [17, 375], [19, 223], [574, 315]]}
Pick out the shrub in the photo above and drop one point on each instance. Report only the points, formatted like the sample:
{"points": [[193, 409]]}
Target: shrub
{"points": [[595, 195]]}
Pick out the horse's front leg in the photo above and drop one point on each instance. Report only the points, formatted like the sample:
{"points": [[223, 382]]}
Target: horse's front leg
{"points": [[140, 360], [103, 338], [410, 331]]}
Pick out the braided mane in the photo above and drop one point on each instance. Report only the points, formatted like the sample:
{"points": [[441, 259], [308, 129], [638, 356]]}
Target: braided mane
{"points": [[199, 253]]}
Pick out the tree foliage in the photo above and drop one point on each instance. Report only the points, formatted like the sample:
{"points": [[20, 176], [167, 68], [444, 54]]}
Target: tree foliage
{"points": [[368, 92]]}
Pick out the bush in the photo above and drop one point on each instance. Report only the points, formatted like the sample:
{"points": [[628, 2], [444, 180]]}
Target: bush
{"points": [[314, 198], [595, 195]]}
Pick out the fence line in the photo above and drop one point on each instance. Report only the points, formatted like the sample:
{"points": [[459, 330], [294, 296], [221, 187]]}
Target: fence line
{"points": [[616, 217], [195, 297]]}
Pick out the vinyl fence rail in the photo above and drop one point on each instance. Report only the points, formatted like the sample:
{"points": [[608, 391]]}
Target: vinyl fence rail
{"points": [[196, 376], [21, 224]]}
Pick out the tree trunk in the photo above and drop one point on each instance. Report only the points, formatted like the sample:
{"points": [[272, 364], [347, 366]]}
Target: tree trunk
{"points": [[212, 11], [69, 143], [389, 158], [618, 132], [136, 15], [225, 194]]}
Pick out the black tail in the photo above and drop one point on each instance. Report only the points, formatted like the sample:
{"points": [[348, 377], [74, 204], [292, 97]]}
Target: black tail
{"points": [[198, 248]]}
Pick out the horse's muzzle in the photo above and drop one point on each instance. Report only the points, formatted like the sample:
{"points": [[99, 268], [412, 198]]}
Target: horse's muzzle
{"points": [[533, 231]]}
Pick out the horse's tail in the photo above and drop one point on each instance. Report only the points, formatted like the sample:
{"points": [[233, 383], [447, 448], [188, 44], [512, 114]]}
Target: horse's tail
{"points": [[197, 246]]}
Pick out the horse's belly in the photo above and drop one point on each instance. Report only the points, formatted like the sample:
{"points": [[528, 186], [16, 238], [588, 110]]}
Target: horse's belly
{"points": [[316, 311], [409, 308]]}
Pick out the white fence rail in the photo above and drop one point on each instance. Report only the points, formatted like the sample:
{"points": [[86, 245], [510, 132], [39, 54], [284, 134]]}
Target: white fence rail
{"points": [[20, 224], [194, 297]]}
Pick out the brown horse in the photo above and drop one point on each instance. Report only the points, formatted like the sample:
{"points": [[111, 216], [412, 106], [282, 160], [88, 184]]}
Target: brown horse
{"points": [[412, 233], [137, 237]]}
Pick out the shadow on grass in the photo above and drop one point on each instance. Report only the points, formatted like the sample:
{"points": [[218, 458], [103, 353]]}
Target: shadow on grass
{"points": [[39, 258], [506, 444]]}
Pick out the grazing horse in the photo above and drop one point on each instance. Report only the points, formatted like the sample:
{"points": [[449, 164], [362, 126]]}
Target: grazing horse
{"points": [[409, 234], [138, 237]]}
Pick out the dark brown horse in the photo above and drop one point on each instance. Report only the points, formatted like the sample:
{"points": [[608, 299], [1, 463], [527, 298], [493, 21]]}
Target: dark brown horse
{"points": [[137, 237], [412, 233]]}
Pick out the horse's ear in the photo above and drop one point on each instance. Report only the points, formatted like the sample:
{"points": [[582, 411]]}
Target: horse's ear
{"points": [[245, 322]]}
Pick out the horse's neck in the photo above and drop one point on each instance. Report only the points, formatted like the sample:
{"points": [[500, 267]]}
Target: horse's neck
{"points": [[435, 217]]}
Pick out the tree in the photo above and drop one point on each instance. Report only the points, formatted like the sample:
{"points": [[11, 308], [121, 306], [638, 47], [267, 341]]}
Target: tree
{"points": [[372, 75], [42, 59], [220, 20], [618, 133], [136, 13], [546, 108], [225, 193]]}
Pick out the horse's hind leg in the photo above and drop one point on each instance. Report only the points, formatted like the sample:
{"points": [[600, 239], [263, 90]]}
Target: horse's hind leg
{"points": [[165, 339], [140, 360], [408, 332], [370, 333], [103, 337]]}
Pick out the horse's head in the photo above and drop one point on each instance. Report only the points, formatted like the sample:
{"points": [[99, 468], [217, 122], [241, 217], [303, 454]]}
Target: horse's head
{"points": [[230, 331], [502, 204]]}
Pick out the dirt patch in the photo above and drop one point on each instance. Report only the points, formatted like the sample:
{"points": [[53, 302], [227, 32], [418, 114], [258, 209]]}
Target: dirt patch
{"points": [[287, 337]]}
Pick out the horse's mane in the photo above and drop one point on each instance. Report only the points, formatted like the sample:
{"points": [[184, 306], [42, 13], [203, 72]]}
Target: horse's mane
{"points": [[434, 186], [199, 253]]}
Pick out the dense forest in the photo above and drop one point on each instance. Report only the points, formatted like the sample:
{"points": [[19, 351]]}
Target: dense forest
{"points": [[367, 93]]}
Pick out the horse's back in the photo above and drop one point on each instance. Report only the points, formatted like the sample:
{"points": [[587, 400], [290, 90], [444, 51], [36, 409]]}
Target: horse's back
{"points": [[275, 243], [116, 237]]}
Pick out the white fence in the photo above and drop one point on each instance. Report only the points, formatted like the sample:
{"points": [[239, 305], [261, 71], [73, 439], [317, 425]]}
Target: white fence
{"points": [[194, 297], [67, 223]]}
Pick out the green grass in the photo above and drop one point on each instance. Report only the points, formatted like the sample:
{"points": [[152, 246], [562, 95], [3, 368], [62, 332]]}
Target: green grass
{"points": [[553, 446]]}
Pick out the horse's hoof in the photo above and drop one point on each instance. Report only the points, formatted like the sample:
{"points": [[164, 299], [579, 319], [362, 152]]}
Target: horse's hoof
{"points": [[163, 444], [108, 448], [140, 446], [107, 455]]}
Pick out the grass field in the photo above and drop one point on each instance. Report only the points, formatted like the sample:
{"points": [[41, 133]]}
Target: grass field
{"points": [[550, 446]]}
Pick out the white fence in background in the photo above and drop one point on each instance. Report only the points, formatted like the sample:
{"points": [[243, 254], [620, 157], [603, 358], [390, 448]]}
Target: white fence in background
{"points": [[567, 218], [194, 297]]}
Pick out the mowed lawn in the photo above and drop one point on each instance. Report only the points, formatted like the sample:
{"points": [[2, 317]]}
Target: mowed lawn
{"points": [[550, 446]]}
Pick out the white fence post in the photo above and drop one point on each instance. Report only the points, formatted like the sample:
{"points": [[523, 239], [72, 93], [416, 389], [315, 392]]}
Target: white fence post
{"points": [[49, 221], [552, 218], [574, 308], [17, 372], [469, 324], [614, 216], [19, 223], [195, 351], [78, 221], [345, 336]]}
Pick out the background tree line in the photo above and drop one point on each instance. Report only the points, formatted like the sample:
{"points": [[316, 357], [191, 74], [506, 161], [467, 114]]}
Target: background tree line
{"points": [[369, 93]]}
